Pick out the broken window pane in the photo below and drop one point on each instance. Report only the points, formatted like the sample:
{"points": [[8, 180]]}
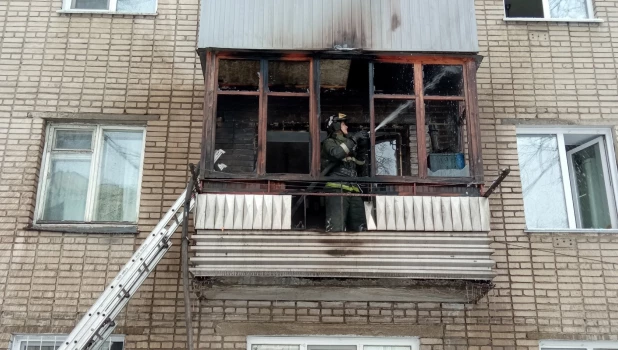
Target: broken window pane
{"points": [[393, 78], [572, 9], [239, 75], [344, 88], [236, 134], [446, 137], [442, 80], [523, 8], [288, 147], [541, 179], [288, 76], [396, 148]]}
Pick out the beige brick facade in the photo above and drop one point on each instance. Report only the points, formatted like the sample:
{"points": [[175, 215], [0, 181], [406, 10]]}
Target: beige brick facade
{"points": [[549, 286]]}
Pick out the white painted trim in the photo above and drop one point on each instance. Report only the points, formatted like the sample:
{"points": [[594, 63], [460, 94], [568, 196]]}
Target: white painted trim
{"points": [[303, 342], [566, 182], [562, 20], [610, 155], [576, 344], [105, 12], [18, 339], [546, 9], [95, 158]]}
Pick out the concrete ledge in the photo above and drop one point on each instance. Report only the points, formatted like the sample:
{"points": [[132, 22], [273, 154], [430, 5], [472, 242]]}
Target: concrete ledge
{"points": [[125, 118], [327, 289], [289, 328]]}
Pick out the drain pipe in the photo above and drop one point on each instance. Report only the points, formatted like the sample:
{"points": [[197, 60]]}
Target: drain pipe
{"points": [[184, 248]]}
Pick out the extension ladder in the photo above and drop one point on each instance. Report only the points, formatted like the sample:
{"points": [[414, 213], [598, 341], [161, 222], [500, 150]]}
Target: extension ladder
{"points": [[98, 323]]}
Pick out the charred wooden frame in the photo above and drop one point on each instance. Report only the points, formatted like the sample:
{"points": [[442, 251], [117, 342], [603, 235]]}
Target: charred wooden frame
{"points": [[211, 59]]}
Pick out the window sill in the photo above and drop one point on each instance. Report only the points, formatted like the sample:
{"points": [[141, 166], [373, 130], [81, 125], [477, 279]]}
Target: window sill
{"points": [[86, 228], [578, 230], [105, 12], [563, 20]]}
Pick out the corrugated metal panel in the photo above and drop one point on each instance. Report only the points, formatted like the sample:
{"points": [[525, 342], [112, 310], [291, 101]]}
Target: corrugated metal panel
{"points": [[243, 212], [393, 254], [436, 214], [373, 25]]}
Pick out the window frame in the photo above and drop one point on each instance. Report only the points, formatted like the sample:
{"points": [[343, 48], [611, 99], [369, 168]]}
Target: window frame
{"points": [[576, 344], [359, 342], [97, 147], [610, 153], [112, 5], [18, 339], [211, 60], [547, 14]]}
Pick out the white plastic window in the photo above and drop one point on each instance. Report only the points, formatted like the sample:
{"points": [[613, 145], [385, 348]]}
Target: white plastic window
{"points": [[119, 6], [53, 342], [577, 345], [91, 173], [568, 178], [549, 9], [331, 343]]}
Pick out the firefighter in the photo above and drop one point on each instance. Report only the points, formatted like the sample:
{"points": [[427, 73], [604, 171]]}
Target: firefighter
{"points": [[341, 155]]}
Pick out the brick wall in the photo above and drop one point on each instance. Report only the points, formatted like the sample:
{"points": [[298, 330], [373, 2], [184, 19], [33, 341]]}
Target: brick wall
{"points": [[548, 285]]}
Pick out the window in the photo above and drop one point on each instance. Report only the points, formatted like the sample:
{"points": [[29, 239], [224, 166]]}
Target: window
{"points": [[577, 345], [331, 343], [119, 6], [270, 116], [568, 178], [549, 9], [53, 342], [91, 173]]}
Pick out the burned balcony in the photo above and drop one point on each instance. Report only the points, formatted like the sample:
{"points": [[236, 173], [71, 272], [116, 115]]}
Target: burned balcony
{"points": [[262, 212]]}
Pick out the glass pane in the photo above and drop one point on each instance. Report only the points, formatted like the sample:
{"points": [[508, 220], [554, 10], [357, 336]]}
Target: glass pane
{"points": [[288, 147], [288, 76], [442, 80], [117, 345], [331, 347], [446, 139], [236, 134], [591, 195], [572, 9], [393, 78], [275, 347], [67, 188], [136, 6], [73, 139], [541, 179], [239, 75], [379, 347], [523, 8], [396, 147], [90, 4], [118, 187]]}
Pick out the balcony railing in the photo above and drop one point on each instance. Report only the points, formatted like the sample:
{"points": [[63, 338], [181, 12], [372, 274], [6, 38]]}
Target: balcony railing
{"points": [[424, 237]]}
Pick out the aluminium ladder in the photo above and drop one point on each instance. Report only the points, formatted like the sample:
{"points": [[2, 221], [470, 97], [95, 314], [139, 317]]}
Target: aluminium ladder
{"points": [[98, 323]]}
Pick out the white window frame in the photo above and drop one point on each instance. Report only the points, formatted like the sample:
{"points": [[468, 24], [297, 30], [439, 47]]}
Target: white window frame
{"points": [[18, 339], [612, 192], [577, 344], [359, 342], [548, 18], [67, 7], [97, 146]]}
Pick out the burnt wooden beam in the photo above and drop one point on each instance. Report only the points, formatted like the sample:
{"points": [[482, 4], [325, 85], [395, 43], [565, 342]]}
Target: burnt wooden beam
{"points": [[503, 174], [210, 111], [474, 128], [421, 141]]}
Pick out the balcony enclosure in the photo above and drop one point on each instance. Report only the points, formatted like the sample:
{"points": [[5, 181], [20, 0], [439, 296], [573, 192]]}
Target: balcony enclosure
{"points": [[261, 216]]}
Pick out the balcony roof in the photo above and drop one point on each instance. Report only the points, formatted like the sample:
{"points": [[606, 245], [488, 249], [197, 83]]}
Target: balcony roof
{"points": [[433, 26]]}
